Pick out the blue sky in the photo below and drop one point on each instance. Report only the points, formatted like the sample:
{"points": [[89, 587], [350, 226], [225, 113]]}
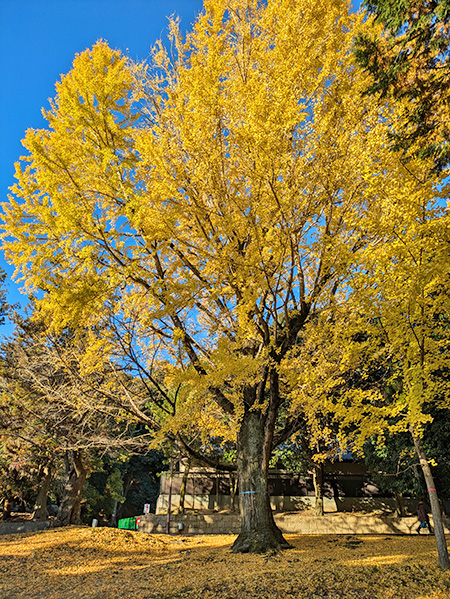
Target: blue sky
{"points": [[38, 41]]}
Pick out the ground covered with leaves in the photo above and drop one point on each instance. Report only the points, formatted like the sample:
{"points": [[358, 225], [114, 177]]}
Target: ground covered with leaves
{"points": [[105, 563]]}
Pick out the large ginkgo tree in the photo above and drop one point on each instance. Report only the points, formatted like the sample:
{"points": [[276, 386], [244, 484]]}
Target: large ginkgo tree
{"points": [[208, 205]]}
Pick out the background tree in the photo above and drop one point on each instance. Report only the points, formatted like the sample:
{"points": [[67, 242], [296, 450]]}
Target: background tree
{"points": [[409, 58], [120, 485], [297, 458], [395, 321], [410, 309], [394, 467], [25, 438], [21, 472], [46, 418]]}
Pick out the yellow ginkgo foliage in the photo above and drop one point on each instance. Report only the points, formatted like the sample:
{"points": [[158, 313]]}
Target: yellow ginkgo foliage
{"points": [[207, 205], [378, 359]]}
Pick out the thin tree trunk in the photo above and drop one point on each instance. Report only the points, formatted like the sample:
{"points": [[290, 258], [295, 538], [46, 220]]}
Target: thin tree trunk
{"points": [[233, 486], [69, 510], [318, 488], [128, 483], [434, 502], [184, 484], [7, 507], [400, 504], [113, 520], [217, 492], [259, 533], [40, 506], [169, 503]]}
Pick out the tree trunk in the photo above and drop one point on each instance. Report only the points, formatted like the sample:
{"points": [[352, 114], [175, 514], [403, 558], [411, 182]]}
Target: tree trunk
{"points": [[69, 510], [113, 520], [434, 503], [40, 506], [183, 485], [259, 533], [400, 505], [233, 485], [318, 487], [216, 506], [169, 502], [127, 484], [7, 507]]}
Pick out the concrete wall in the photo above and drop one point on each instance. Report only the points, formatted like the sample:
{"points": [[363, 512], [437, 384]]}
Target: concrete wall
{"points": [[289, 523]]}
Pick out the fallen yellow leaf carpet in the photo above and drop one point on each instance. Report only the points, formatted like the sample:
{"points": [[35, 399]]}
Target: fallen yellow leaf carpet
{"points": [[106, 563]]}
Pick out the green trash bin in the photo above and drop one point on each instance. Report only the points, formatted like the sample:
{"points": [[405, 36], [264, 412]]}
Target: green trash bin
{"points": [[129, 523]]}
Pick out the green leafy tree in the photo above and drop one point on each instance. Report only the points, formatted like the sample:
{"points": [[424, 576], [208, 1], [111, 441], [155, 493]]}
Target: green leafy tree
{"points": [[408, 56], [394, 466]]}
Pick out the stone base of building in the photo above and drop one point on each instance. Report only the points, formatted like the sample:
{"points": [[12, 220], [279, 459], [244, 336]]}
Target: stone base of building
{"points": [[289, 523]]}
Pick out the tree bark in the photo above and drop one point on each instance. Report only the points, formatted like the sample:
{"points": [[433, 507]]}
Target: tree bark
{"points": [[259, 533], [434, 502], [318, 488], [400, 504], [113, 520], [233, 486], [40, 506], [7, 507], [169, 502], [69, 510], [184, 484]]}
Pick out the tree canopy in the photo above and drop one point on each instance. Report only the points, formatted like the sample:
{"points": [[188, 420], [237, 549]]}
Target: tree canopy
{"points": [[379, 360], [202, 210]]}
